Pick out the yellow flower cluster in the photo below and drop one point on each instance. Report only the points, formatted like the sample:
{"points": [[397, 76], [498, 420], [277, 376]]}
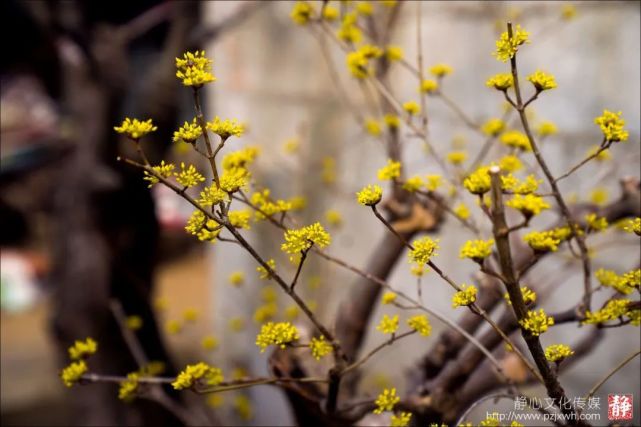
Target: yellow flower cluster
{"points": [[402, 419], [420, 324], [388, 325], [595, 222], [457, 157], [198, 374], [478, 182], [388, 298], [267, 207], [424, 249], [392, 121], [433, 182], [542, 241], [516, 139], [209, 342], [233, 180], [462, 211], [413, 184], [240, 158], [512, 184], [358, 61], [546, 128], [320, 347], [370, 195], [349, 31], [493, 127], [189, 132], [477, 250], [225, 128], [529, 205], [240, 219], [536, 322], [264, 273], [542, 81], [412, 107], [373, 127], [302, 12], [386, 401], [441, 70], [278, 334], [394, 53], [202, 227], [510, 163], [128, 388], [188, 177], [72, 373], [265, 312], [612, 126], [133, 322], [301, 240], [83, 349], [212, 195], [614, 309], [558, 352], [633, 226], [194, 69], [465, 297], [502, 81], [390, 171], [506, 46], [163, 169], [529, 296], [626, 283], [135, 129], [428, 86]]}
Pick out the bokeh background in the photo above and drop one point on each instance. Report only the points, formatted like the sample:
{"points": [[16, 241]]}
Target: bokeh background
{"points": [[75, 223]]}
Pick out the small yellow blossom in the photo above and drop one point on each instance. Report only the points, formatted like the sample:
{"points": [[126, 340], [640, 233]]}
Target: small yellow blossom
{"points": [[72, 373], [133, 322], [392, 121], [240, 158], [420, 324], [364, 8], [516, 139], [465, 297], [190, 315], [424, 249], [188, 177], [599, 196], [542, 81], [462, 211], [302, 12], [243, 407], [330, 13], [394, 53], [173, 327], [510, 163], [83, 349], [633, 226], [291, 312], [529, 205], [128, 389], [413, 184], [370, 195], [558, 352], [441, 70], [320, 347], [510, 183], [433, 182], [457, 157], [612, 126], [428, 86], [595, 222], [386, 401], [536, 322], [529, 296], [402, 419], [478, 182], [240, 219], [501, 81], [568, 11], [542, 241], [506, 46], [279, 334], [388, 325], [212, 195], [418, 270], [188, 133], [373, 127], [215, 400], [546, 128], [209, 342], [391, 171], [388, 298], [199, 374], [348, 31], [135, 129], [301, 240], [163, 169], [493, 127], [614, 309], [334, 218], [225, 128], [194, 69], [412, 107], [265, 273], [477, 250], [236, 324], [265, 312]]}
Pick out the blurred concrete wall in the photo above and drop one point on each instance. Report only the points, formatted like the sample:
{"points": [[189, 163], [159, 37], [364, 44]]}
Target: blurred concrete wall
{"points": [[271, 75]]}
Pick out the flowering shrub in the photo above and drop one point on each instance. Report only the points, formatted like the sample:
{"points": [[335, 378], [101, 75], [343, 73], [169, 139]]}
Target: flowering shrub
{"points": [[231, 200]]}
